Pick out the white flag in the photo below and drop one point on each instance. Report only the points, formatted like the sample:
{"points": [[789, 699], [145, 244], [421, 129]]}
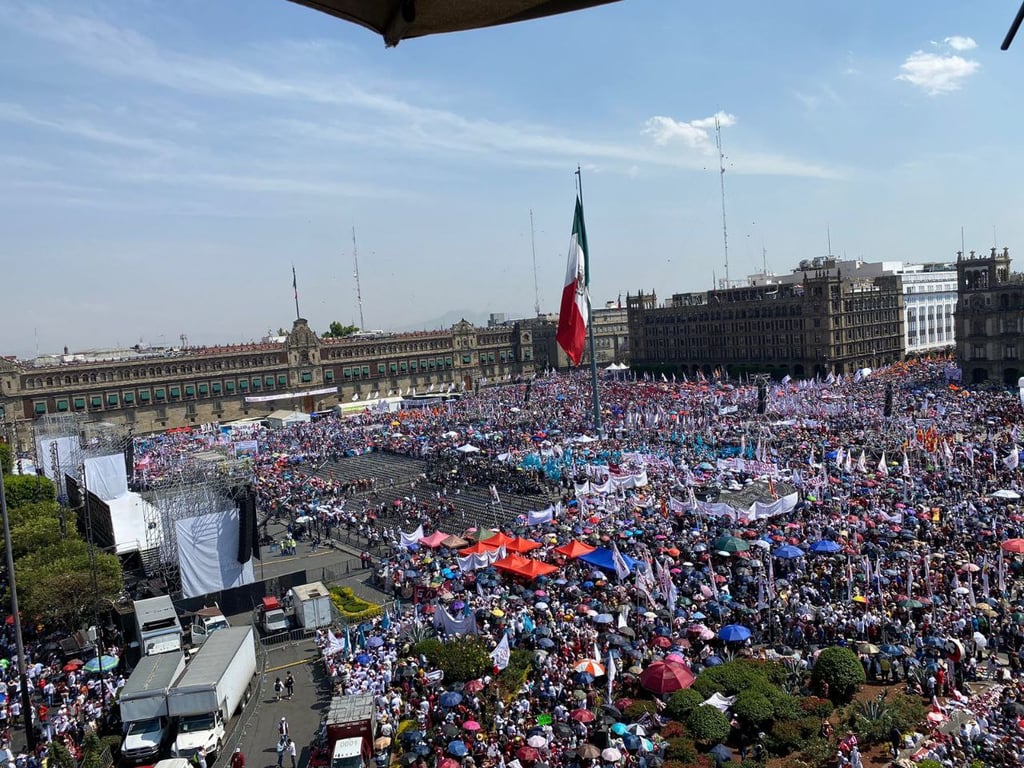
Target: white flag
{"points": [[1013, 459], [883, 468], [610, 671], [621, 567], [501, 653], [906, 465]]}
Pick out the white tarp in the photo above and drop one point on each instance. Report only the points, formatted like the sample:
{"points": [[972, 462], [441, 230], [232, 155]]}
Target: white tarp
{"points": [[720, 702], [105, 476], [208, 553], [128, 519], [66, 448]]}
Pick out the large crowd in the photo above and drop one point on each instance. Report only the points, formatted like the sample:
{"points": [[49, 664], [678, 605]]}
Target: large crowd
{"points": [[876, 512]]}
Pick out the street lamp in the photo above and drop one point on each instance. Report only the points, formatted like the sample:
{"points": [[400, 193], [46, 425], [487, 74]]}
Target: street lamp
{"points": [[26, 700]]}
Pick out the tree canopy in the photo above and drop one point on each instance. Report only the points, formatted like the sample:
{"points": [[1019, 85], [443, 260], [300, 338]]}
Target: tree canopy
{"points": [[339, 331]]}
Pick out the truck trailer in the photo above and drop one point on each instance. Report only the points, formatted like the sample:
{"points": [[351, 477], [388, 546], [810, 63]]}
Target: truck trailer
{"points": [[143, 705], [312, 603], [157, 626], [218, 681]]}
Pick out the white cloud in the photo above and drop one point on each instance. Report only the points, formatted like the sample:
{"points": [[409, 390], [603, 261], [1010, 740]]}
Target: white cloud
{"points": [[936, 73], [695, 133], [960, 43]]}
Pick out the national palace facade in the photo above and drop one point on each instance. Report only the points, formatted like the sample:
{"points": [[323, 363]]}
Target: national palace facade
{"points": [[148, 393]]}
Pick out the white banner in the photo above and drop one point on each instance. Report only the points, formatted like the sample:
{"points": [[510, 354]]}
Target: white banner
{"points": [[290, 395]]}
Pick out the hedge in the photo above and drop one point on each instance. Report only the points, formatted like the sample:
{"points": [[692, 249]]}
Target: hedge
{"points": [[839, 669], [351, 606], [708, 725]]}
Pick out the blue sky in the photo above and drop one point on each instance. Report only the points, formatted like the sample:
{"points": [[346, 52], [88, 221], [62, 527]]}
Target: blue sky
{"points": [[162, 165]]}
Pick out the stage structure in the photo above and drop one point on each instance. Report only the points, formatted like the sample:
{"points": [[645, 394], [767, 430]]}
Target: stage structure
{"points": [[200, 530]]}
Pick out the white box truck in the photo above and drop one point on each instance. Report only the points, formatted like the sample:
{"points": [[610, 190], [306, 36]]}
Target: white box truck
{"points": [[218, 681], [143, 705], [157, 625], [312, 604]]}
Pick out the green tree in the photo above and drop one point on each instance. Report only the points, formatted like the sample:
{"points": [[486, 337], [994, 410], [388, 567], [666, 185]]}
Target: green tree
{"points": [[56, 582], [28, 489], [841, 670], [681, 703], [34, 534], [6, 458], [753, 708], [339, 331]]}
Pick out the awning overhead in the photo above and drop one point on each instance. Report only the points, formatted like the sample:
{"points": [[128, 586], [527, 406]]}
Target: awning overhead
{"points": [[398, 20]]}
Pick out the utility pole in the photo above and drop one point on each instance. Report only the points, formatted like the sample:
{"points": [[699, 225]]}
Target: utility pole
{"points": [[26, 700]]}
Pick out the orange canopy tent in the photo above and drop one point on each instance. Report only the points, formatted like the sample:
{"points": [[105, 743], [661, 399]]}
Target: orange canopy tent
{"points": [[521, 545], [477, 548], [524, 567], [575, 549], [511, 562], [499, 539]]}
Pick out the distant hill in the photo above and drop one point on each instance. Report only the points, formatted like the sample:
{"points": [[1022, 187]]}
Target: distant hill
{"points": [[447, 320]]}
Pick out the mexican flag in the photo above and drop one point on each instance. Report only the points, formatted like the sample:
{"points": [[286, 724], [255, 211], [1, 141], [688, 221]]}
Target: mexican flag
{"points": [[574, 310]]}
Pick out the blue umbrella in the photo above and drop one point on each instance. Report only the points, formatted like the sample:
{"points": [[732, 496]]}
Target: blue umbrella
{"points": [[619, 729], [457, 748], [422, 749], [631, 742], [713, 661], [409, 737], [734, 633], [451, 699], [604, 618], [363, 658], [546, 643], [374, 642], [825, 547], [583, 678], [891, 650], [788, 552], [108, 662]]}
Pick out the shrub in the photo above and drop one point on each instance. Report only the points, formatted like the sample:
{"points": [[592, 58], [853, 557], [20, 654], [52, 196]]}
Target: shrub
{"points": [[429, 648], [735, 676], [707, 725], [351, 606], [682, 749], [785, 736], [672, 730], [752, 708], [929, 763], [839, 669], [818, 753], [638, 709], [817, 706], [461, 659], [681, 703], [786, 707], [6, 458], [907, 711]]}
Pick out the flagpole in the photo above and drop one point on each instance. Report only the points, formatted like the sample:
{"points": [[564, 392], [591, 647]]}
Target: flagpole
{"points": [[590, 332], [295, 287]]}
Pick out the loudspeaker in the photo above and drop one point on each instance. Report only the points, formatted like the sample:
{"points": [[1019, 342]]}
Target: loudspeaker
{"points": [[762, 398], [887, 412], [248, 535]]}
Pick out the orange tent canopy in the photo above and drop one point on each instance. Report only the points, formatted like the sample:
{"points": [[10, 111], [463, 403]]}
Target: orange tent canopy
{"points": [[498, 539], [575, 549], [511, 562], [478, 548], [521, 545], [525, 567]]}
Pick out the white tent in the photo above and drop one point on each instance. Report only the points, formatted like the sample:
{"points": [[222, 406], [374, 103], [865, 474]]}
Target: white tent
{"points": [[467, 448], [279, 419]]}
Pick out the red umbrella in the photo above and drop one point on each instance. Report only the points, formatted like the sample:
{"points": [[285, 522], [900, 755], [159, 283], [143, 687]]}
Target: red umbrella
{"points": [[583, 716], [528, 754], [662, 642], [666, 677], [448, 763], [473, 686], [1013, 545]]}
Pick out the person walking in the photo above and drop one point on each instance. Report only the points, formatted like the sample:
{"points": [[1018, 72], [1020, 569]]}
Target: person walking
{"points": [[278, 689], [238, 758], [282, 729], [282, 746], [289, 686], [292, 751]]}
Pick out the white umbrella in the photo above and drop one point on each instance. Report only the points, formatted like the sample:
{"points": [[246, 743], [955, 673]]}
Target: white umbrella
{"points": [[611, 754], [303, 519], [1006, 493], [537, 742], [980, 640], [636, 729]]}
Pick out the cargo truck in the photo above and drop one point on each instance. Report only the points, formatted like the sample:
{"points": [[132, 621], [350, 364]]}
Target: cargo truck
{"points": [[217, 682], [157, 626], [143, 705], [312, 604], [205, 622], [346, 740]]}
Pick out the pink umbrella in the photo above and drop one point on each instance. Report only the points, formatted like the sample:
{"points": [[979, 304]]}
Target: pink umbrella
{"points": [[471, 725], [666, 677], [676, 657]]}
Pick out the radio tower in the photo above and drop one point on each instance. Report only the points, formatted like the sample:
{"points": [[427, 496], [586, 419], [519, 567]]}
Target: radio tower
{"points": [[721, 177], [359, 290], [536, 290]]}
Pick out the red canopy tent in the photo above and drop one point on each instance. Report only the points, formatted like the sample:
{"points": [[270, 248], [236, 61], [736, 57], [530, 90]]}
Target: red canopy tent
{"points": [[535, 568], [434, 540], [521, 545], [511, 563], [575, 549]]}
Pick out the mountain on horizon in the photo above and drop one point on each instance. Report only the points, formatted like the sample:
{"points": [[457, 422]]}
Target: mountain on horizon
{"points": [[447, 320]]}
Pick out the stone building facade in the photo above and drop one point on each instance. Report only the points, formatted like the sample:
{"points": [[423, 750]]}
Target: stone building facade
{"points": [[304, 372], [824, 323], [989, 318]]}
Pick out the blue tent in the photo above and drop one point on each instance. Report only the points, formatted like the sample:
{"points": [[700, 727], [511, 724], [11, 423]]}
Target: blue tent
{"points": [[602, 558]]}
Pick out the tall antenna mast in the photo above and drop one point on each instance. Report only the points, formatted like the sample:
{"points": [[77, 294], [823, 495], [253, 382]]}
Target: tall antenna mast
{"points": [[359, 290], [536, 289], [828, 235], [721, 177]]}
